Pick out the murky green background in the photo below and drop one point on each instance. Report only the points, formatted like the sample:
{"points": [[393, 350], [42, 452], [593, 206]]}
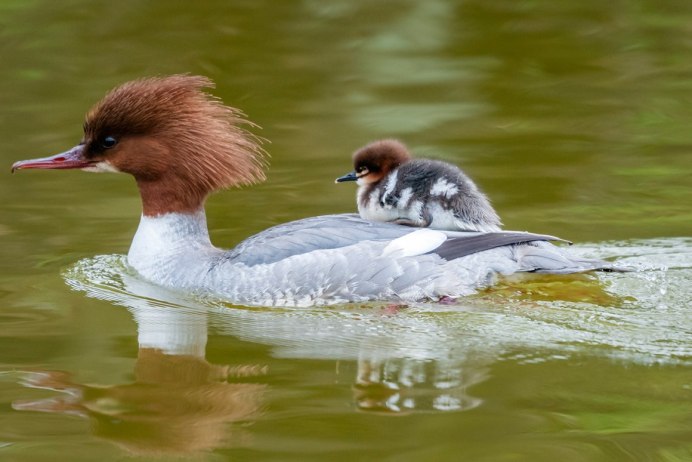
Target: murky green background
{"points": [[574, 117]]}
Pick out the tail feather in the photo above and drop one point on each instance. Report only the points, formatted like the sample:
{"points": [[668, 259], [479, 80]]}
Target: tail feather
{"points": [[542, 257]]}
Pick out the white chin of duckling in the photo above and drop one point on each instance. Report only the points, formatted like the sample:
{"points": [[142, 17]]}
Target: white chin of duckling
{"points": [[101, 167]]}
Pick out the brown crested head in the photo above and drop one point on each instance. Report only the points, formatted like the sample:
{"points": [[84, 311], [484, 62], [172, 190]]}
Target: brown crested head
{"points": [[179, 142], [375, 160]]}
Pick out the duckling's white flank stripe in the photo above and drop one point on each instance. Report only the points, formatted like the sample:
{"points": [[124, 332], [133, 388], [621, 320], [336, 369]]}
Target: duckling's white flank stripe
{"points": [[405, 197], [391, 184]]}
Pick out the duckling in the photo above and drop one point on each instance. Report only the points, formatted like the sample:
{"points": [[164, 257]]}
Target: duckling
{"points": [[394, 187]]}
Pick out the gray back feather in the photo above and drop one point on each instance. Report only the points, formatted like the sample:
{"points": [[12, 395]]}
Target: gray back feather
{"points": [[470, 204]]}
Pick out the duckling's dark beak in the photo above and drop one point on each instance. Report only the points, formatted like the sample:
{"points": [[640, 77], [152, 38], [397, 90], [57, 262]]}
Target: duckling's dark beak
{"points": [[348, 177], [74, 158]]}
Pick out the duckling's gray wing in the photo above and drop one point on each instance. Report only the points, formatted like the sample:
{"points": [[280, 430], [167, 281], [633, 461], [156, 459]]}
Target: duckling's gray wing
{"points": [[336, 231]]}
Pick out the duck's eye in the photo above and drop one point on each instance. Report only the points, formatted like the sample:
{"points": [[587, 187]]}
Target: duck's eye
{"points": [[108, 142], [363, 170]]}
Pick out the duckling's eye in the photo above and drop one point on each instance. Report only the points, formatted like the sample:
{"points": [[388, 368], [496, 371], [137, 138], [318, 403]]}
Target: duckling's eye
{"points": [[108, 142], [362, 170]]}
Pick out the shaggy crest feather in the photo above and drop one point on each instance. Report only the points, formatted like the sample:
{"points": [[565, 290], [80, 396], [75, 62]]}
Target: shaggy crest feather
{"points": [[210, 149]]}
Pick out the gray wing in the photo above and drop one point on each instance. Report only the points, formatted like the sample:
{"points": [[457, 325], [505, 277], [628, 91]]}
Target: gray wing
{"points": [[335, 231], [458, 247], [308, 234]]}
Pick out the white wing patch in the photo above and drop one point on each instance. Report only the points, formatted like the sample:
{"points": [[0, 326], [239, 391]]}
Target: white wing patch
{"points": [[416, 243], [443, 188]]}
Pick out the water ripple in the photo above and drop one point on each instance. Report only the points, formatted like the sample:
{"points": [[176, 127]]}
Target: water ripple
{"points": [[642, 316]]}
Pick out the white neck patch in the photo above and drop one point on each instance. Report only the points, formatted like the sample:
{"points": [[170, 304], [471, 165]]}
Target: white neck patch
{"points": [[101, 167]]}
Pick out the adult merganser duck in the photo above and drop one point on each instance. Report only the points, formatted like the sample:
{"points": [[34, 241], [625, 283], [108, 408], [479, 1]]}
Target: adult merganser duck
{"points": [[393, 187], [181, 144]]}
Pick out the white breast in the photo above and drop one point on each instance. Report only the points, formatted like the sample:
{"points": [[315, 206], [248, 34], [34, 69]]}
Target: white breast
{"points": [[172, 249], [374, 211]]}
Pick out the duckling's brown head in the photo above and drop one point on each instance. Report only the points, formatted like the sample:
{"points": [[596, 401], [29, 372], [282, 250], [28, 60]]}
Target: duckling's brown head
{"points": [[374, 161]]}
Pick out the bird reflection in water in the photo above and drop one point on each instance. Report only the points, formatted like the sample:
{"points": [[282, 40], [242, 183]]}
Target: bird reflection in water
{"points": [[400, 385], [179, 403], [393, 361]]}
